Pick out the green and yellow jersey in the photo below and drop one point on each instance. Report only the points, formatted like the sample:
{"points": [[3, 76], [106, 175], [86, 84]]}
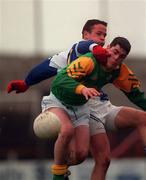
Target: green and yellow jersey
{"points": [[85, 71]]}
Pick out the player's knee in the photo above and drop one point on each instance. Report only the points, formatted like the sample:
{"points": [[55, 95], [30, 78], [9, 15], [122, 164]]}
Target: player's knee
{"points": [[103, 160], [142, 119], [106, 161], [81, 155], [67, 133]]}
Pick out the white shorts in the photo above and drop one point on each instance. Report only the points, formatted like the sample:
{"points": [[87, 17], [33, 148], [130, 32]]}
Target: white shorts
{"points": [[80, 115], [102, 115]]}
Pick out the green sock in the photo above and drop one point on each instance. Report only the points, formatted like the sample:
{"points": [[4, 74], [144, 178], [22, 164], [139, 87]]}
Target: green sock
{"points": [[58, 177]]}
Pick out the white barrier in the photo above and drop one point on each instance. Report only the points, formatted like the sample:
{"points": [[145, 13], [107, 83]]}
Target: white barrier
{"points": [[125, 169]]}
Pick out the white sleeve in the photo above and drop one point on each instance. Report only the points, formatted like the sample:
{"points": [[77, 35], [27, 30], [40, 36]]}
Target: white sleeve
{"points": [[91, 46], [59, 61]]}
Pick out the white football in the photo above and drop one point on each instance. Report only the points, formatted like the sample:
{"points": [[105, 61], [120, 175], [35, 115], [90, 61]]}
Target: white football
{"points": [[46, 125]]}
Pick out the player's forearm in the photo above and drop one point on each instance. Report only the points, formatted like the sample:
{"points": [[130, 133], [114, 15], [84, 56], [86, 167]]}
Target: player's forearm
{"points": [[37, 74], [137, 97], [40, 72], [65, 84]]}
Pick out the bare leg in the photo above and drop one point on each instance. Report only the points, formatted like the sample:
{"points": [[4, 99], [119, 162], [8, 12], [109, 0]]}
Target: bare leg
{"points": [[79, 146], [100, 150], [72, 144], [64, 137], [131, 117]]}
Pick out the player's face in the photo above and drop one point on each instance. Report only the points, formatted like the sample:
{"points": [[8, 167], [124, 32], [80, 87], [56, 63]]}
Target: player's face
{"points": [[116, 57], [97, 34]]}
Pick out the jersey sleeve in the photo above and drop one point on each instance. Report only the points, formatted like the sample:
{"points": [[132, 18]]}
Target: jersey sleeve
{"points": [[46, 69], [78, 69], [130, 85], [137, 97], [126, 80], [79, 49], [59, 60], [84, 47], [70, 78], [40, 72]]}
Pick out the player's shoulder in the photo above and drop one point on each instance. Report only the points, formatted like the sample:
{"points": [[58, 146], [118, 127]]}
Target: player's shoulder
{"points": [[125, 69], [84, 42], [62, 54], [87, 42]]}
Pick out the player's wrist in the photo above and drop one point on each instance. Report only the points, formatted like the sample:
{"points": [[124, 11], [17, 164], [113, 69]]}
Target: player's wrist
{"points": [[79, 89], [26, 83]]}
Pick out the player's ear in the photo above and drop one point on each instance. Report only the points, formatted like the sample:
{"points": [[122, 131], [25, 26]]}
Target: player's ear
{"points": [[108, 46], [85, 34]]}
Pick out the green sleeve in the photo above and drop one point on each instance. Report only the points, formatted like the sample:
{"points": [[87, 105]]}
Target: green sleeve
{"points": [[65, 83], [63, 88], [137, 97]]}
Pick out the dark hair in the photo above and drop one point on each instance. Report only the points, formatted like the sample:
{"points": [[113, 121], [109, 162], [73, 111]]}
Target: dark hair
{"points": [[90, 23], [123, 42]]}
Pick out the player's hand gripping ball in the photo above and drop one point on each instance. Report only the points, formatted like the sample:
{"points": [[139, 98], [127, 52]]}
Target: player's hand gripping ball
{"points": [[46, 125]]}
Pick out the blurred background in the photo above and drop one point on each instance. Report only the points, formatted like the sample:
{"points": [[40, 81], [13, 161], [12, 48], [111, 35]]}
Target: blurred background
{"points": [[31, 30]]}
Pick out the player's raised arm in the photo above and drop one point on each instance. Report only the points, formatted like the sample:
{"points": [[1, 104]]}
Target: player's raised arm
{"points": [[130, 85], [37, 74]]}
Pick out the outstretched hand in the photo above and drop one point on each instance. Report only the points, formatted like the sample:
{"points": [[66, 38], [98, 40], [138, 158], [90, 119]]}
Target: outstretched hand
{"points": [[17, 85], [90, 92]]}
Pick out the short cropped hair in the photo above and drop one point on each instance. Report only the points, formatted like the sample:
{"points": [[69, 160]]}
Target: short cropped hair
{"points": [[123, 42], [90, 23]]}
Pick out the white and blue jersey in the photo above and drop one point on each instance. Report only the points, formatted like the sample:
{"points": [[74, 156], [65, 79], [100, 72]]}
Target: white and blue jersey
{"points": [[79, 49], [50, 66]]}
